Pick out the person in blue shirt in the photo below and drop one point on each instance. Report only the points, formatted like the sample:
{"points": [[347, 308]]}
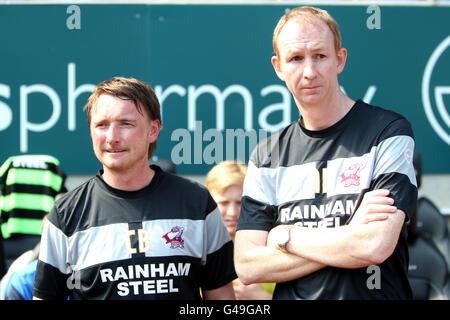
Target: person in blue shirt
{"points": [[20, 285]]}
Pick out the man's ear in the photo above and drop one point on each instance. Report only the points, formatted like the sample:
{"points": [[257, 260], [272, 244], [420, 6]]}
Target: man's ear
{"points": [[277, 66], [155, 129], [341, 58]]}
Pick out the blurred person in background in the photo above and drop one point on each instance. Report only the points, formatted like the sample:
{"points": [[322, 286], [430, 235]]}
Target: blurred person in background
{"points": [[225, 182], [29, 184], [18, 282]]}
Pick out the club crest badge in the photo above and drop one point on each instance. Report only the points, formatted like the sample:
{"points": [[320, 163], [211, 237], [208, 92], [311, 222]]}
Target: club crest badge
{"points": [[174, 237], [350, 176]]}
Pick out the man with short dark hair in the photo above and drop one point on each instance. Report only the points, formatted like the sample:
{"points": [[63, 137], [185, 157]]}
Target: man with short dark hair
{"points": [[133, 231]]}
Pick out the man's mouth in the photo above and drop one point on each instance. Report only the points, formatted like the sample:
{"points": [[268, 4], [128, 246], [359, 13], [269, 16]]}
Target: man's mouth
{"points": [[310, 88], [114, 151]]}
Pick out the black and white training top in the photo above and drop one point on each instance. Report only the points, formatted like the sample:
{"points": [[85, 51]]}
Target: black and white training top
{"points": [[165, 241], [318, 178]]}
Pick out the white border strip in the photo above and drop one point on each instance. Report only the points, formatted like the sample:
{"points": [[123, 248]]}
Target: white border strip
{"points": [[412, 3]]}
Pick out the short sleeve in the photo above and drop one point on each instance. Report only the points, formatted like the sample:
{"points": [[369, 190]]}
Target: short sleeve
{"points": [[218, 263], [394, 169], [53, 268], [258, 205]]}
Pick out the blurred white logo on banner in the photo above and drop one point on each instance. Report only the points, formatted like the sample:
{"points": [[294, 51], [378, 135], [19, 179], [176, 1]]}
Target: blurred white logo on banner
{"points": [[440, 112]]}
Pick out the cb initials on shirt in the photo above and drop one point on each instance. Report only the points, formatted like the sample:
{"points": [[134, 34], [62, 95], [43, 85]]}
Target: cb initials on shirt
{"points": [[143, 241]]}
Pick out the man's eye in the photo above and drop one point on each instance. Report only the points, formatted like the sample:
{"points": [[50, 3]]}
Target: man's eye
{"points": [[296, 58]]}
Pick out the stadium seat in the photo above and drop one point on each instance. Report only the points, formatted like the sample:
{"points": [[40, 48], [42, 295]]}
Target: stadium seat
{"points": [[433, 225], [427, 271], [430, 222]]}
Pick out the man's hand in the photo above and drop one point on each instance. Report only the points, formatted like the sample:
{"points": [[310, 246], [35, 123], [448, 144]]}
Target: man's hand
{"points": [[273, 239], [250, 292], [375, 206]]}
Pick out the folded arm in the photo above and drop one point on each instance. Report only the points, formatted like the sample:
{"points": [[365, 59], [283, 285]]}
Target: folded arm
{"points": [[370, 238], [350, 246], [358, 244], [257, 262]]}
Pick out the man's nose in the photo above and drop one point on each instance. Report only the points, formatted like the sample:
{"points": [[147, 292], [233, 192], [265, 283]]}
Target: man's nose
{"points": [[112, 135], [309, 70]]}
